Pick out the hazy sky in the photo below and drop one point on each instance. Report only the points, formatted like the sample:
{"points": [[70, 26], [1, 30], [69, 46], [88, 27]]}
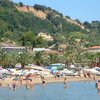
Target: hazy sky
{"points": [[84, 10]]}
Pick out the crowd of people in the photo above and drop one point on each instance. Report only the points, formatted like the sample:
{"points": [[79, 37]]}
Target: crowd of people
{"points": [[18, 81], [28, 81]]}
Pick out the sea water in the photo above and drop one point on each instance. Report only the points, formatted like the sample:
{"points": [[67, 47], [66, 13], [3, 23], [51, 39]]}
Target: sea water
{"points": [[53, 91]]}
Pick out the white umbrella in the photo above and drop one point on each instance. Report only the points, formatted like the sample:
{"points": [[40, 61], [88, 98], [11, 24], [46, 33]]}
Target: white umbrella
{"points": [[2, 71]]}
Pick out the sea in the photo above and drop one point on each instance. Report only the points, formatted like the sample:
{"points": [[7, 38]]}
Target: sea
{"points": [[52, 91]]}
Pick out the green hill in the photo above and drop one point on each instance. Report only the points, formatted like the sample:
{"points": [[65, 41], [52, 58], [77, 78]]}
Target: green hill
{"points": [[16, 19], [11, 19]]}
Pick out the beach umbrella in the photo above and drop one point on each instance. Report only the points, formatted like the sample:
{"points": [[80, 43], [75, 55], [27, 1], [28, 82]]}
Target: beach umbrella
{"points": [[53, 68], [2, 71]]}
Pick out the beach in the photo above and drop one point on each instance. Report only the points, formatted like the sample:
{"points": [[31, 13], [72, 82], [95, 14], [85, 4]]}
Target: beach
{"points": [[37, 80], [54, 89]]}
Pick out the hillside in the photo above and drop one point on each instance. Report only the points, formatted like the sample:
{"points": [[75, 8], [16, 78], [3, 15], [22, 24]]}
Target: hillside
{"points": [[44, 14], [38, 13], [38, 27], [18, 19]]}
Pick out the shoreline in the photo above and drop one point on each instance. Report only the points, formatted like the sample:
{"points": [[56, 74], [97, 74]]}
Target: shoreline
{"points": [[37, 80]]}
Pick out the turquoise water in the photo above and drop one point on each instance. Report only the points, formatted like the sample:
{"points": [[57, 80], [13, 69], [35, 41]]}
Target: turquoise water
{"points": [[53, 91]]}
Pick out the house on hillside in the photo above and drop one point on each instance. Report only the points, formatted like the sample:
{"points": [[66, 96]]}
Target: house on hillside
{"points": [[13, 49], [62, 47], [45, 36], [40, 49], [46, 50], [58, 47], [94, 49]]}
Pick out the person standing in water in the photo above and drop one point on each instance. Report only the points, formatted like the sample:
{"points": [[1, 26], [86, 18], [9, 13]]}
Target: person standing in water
{"points": [[20, 80], [31, 84], [43, 81], [14, 85], [94, 77], [98, 86], [65, 85]]}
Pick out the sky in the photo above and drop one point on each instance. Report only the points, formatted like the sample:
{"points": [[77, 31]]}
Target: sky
{"points": [[84, 10]]}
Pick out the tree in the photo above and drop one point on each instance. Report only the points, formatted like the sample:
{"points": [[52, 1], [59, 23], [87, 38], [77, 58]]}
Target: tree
{"points": [[20, 4], [27, 39], [7, 59], [87, 24], [53, 58], [90, 58], [40, 42], [68, 17], [69, 55], [78, 21], [60, 38], [38, 58], [24, 58]]}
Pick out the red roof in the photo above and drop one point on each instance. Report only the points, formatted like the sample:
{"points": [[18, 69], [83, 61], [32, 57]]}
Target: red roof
{"points": [[95, 47]]}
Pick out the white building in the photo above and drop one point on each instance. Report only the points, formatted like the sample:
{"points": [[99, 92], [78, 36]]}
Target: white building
{"points": [[13, 49], [40, 49], [46, 36], [94, 49]]}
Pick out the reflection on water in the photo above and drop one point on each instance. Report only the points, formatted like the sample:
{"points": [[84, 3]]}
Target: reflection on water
{"points": [[53, 91]]}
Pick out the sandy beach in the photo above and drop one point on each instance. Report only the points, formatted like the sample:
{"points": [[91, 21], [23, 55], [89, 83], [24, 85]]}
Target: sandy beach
{"points": [[37, 80]]}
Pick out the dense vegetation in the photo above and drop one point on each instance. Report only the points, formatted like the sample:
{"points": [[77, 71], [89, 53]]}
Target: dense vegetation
{"points": [[12, 20], [23, 27]]}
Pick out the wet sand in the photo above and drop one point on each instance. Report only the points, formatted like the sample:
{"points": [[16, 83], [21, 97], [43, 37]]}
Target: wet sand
{"points": [[37, 80]]}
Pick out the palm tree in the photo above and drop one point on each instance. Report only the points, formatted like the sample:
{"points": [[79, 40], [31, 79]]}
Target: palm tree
{"points": [[69, 55], [7, 59], [90, 58], [24, 58], [38, 58], [98, 59], [53, 58]]}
